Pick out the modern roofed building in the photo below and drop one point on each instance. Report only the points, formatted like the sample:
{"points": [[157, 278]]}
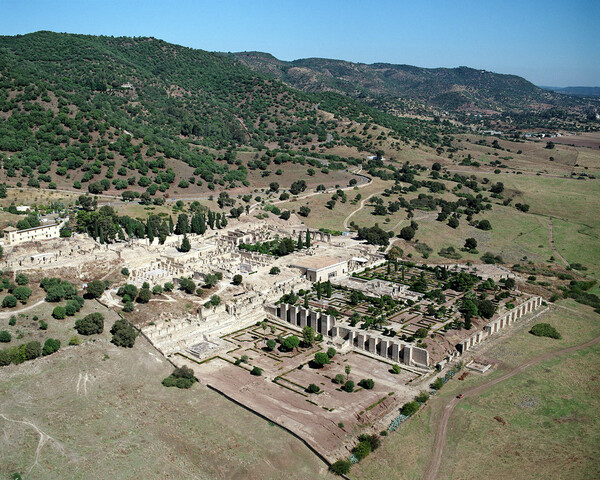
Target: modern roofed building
{"points": [[321, 269], [12, 236]]}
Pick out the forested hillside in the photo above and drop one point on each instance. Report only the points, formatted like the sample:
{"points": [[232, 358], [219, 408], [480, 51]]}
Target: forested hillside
{"points": [[407, 88], [83, 108]]}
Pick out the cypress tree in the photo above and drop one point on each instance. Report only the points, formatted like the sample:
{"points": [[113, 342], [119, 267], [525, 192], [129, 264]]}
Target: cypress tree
{"points": [[223, 221], [195, 223], [202, 224], [101, 235], [300, 245], [170, 224], [185, 244], [307, 242]]}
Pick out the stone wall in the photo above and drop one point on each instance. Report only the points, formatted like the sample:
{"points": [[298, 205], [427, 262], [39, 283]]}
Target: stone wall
{"points": [[499, 323], [371, 342]]}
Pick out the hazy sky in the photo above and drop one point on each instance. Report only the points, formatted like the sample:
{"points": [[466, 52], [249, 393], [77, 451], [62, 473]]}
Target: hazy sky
{"points": [[548, 42]]}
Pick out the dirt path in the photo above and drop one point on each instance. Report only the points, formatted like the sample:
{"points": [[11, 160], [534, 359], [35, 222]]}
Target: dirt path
{"points": [[363, 182], [551, 238], [362, 205], [16, 312], [433, 469]]}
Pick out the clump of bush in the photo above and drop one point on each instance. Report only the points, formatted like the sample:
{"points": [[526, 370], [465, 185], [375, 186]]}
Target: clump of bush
{"points": [[545, 330], [339, 379], [373, 440], [312, 388], [341, 467], [367, 383], [51, 345], [90, 324], [182, 377], [123, 333], [256, 371], [20, 353], [409, 408], [362, 450], [438, 383], [349, 386]]}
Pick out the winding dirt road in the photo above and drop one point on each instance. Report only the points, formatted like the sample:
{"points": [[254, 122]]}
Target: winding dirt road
{"points": [[440, 436]]}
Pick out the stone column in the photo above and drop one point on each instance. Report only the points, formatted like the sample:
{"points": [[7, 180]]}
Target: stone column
{"points": [[407, 355], [395, 352], [361, 341], [303, 314], [372, 345], [383, 348]]}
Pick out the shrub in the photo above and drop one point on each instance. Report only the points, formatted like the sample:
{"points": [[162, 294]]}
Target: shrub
{"points": [[271, 344], [545, 330], [22, 279], [182, 377], [95, 289], [125, 271], [362, 450], [341, 467], [5, 336], [168, 287], [70, 309], [43, 325], [339, 379], [484, 225], [22, 294], [157, 290], [321, 359], [90, 324], [50, 346], [331, 352], [372, 439], [349, 386], [144, 295], [9, 301], [422, 397], [128, 307], [367, 383], [123, 334], [237, 279], [437, 383], [409, 408], [274, 271], [32, 350], [13, 320], [75, 340], [396, 369], [312, 388], [59, 312], [256, 372]]}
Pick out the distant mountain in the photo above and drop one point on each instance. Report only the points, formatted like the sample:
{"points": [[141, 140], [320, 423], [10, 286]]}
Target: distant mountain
{"points": [[459, 89], [578, 91]]}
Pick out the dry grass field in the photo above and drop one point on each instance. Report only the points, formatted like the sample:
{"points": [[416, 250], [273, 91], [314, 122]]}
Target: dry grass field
{"points": [[550, 413], [99, 411]]}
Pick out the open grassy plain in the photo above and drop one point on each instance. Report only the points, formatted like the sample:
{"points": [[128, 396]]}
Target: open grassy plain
{"points": [[549, 410], [99, 411]]}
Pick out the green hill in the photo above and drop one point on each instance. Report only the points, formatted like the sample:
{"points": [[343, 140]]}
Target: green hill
{"points": [[451, 89], [77, 109]]}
